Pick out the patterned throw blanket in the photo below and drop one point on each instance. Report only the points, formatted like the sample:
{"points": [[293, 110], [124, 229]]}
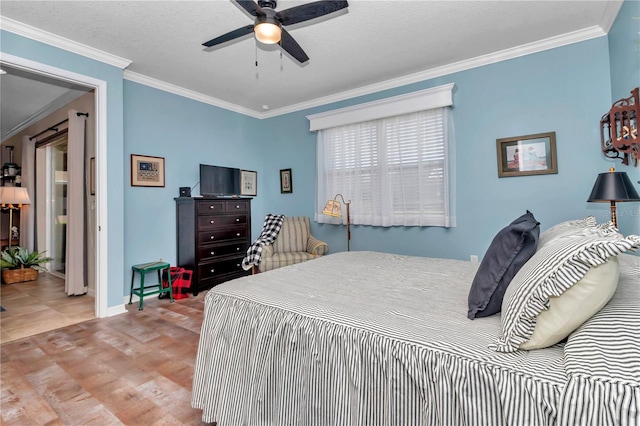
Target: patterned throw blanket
{"points": [[270, 230]]}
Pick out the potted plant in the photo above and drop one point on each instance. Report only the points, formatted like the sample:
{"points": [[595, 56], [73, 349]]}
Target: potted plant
{"points": [[19, 264]]}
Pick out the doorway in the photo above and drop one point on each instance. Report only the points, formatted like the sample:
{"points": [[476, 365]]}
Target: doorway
{"points": [[100, 259], [54, 180]]}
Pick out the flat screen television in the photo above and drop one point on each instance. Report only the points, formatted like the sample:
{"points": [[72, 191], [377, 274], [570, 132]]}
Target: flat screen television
{"points": [[217, 181]]}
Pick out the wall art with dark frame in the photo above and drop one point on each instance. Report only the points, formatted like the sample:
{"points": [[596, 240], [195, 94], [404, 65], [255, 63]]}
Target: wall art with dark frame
{"points": [[147, 170], [286, 182], [527, 155]]}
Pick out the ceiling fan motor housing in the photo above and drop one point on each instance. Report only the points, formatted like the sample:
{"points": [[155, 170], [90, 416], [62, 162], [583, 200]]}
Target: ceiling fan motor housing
{"points": [[268, 17], [267, 3]]}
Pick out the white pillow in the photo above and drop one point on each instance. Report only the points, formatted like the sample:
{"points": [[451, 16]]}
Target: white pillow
{"points": [[572, 308], [553, 270]]}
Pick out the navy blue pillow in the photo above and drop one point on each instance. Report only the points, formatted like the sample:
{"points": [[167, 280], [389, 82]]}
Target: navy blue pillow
{"points": [[509, 250]]}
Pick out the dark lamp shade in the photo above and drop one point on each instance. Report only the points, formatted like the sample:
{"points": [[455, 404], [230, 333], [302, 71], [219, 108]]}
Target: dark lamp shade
{"points": [[613, 186]]}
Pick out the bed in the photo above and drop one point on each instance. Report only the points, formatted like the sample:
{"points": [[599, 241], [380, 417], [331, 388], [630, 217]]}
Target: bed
{"points": [[368, 338]]}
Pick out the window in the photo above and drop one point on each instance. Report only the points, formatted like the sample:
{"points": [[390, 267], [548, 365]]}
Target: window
{"points": [[394, 169]]}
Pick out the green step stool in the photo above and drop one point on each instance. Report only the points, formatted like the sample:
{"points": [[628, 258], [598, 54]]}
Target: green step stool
{"points": [[149, 290]]}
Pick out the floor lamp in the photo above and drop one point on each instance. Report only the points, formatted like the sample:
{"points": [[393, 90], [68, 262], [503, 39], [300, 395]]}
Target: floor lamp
{"points": [[12, 198], [334, 208]]}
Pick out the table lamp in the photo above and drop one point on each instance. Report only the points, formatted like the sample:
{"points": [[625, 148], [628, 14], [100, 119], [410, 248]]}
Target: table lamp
{"points": [[613, 186]]}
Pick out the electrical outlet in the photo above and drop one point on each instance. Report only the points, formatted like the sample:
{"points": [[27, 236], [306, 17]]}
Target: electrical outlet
{"points": [[474, 258]]}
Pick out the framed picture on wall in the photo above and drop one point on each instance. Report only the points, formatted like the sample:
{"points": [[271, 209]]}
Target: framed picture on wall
{"points": [[248, 183], [147, 171], [527, 155], [286, 184]]}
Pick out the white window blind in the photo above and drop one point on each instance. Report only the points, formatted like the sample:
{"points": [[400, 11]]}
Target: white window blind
{"points": [[395, 170]]}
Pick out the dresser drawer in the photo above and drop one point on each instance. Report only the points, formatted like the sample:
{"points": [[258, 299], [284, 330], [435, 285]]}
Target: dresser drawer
{"points": [[212, 222], [220, 250], [213, 269], [213, 236], [237, 206], [209, 207]]}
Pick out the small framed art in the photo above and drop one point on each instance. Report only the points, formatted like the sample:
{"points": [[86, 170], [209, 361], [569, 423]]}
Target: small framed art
{"points": [[286, 184], [527, 155], [147, 171], [248, 183]]}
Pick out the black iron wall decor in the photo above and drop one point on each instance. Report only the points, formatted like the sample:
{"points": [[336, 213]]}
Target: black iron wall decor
{"points": [[619, 130]]}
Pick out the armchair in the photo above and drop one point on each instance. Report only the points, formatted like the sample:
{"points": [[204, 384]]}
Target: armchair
{"points": [[294, 244]]}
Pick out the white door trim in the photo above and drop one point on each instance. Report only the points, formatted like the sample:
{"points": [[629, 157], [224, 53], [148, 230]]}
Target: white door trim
{"points": [[100, 90]]}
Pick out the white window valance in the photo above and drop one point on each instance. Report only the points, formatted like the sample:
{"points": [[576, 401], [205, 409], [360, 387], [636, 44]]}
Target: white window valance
{"points": [[436, 97]]}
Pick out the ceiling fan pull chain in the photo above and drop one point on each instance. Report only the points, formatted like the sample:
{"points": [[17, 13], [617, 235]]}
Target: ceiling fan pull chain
{"points": [[256, 54]]}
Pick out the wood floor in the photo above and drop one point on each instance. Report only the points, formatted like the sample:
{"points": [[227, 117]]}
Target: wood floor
{"points": [[135, 369], [34, 307]]}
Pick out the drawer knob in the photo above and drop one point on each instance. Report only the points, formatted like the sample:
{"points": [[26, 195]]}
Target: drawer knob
{"points": [[237, 248], [212, 237], [212, 253], [238, 234], [237, 219], [237, 207], [212, 270], [212, 221], [212, 207]]}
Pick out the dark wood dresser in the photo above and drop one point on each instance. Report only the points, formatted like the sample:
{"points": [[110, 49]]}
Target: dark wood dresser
{"points": [[213, 236]]}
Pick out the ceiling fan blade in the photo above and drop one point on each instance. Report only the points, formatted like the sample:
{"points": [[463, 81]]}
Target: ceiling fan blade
{"points": [[292, 47], [230, 36], [251, 7], [308, 11]]}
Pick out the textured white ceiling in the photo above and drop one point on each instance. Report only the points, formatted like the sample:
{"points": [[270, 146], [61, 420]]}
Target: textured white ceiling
{"points": [[371, 45]]}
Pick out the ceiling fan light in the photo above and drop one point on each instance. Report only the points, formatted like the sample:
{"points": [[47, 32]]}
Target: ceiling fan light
{"points": [[268, 33]]}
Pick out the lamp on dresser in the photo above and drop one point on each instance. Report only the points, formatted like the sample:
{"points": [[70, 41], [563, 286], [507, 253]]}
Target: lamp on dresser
{"points": [[613, 187], [334, 208], [12, 198]]}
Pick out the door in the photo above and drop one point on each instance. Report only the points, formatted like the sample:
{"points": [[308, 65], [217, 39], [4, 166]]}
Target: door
{"points": [[51, 184], [57, 245]]}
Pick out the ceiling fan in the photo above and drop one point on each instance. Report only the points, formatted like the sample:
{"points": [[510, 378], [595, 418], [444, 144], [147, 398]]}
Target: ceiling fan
{"points": [[268, 25]]}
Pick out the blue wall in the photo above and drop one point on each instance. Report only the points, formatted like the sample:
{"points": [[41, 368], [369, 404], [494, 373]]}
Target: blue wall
{"points": [[565, 90], [624, 48]]}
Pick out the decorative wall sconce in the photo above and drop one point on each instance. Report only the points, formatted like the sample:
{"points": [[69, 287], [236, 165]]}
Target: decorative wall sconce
{"points": [[619, 130]]}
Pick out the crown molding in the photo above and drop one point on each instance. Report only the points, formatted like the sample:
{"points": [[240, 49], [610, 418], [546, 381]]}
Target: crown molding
{"points": [[611, 10], [539, 46], [491, 58], [181, 91], [51, 39]]}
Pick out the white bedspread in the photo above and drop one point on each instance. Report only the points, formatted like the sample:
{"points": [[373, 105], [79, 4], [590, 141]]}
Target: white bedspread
{"points": [[365, 338]]}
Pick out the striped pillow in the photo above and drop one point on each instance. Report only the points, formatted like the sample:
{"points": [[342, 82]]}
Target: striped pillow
{"points": [[550, 272], [568, 227]]}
